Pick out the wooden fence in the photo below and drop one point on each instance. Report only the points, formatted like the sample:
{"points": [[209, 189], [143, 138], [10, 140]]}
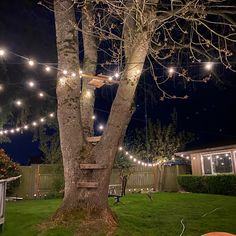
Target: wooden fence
{"points": [[38, 180]]}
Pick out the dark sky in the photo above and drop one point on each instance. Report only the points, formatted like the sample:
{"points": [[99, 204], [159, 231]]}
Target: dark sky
{"points": [[209, 113]]}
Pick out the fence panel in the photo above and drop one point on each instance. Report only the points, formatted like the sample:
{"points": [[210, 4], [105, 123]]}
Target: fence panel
{"points": [[37, 180]]}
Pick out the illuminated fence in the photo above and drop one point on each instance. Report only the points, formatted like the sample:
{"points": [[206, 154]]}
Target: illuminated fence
{"points": [[39, 180]]}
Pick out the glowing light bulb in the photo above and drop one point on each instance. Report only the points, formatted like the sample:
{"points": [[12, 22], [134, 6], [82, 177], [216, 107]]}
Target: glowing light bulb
{"points": [[101, 127], [42, 120], [117, 75], [81, 72], [171, 71], [1, 88], [187, 157], [31, 84], [65, 72], [12, 131], [209, 66], [139, 162], [17, 129], [73, 74], [126, 153], [2, 52], [31, 62], [1, 132], [5, 131], [41, 94], [34, 123], [110, 78], [48, 68], [51, 115], [120, 148], [62, 81], [94, 117], [134, 159], [88, 94], [18, 103], [26, 127], [131, 157]]}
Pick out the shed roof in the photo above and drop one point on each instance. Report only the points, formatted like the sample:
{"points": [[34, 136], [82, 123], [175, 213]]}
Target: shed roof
{"points": [[212, 149]]}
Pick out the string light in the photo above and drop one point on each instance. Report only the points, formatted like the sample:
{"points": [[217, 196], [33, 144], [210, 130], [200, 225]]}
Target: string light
{"points": [[100, 127], [88, 94], [117, 75], [110, 78], [73, 74], [18, 103], [209, 66], [48, 68], [41, 94], [31, 62], [1, 88], [2, 52], [26, 126], [93, 117], [31, 84], [65, 72], [171, 71]]}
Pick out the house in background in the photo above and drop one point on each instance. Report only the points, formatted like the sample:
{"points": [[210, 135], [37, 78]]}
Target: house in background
{"points": [[212, 161]]}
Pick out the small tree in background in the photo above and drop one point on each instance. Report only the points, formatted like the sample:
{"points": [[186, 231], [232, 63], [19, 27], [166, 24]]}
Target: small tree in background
{"points": [[49, 144], [159, 143], [8, 169], [123, 164]]}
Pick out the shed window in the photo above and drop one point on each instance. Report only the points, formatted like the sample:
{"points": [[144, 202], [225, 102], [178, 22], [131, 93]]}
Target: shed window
{"points": [[217, 163]]}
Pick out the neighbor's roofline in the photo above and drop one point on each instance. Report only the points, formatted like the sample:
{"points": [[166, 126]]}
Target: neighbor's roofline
{"points": [[207, 149]]}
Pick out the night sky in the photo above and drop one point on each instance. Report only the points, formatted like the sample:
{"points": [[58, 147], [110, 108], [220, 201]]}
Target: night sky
{"points": [[209, 113]]}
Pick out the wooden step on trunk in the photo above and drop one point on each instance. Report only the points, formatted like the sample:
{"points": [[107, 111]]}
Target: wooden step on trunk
{"points": [[94, 139], [92, 166], [87, 184]]}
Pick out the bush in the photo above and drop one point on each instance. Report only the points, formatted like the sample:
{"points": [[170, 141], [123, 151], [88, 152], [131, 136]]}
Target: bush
{"points": [[214, 184], [8, 169]]}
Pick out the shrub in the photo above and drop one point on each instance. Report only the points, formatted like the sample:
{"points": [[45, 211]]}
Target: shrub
{"points": [[8, 169], [215, 184]]}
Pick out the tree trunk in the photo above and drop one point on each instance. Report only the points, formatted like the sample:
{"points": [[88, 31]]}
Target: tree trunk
{"points": [[75, 149], [89, 66]]}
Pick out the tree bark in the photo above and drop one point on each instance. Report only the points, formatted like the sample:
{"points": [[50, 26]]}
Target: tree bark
{"points": [[75, 149], [89, 66]]}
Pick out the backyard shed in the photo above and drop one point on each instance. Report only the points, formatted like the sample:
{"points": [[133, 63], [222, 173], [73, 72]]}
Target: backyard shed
{"points": [[212, 161]]}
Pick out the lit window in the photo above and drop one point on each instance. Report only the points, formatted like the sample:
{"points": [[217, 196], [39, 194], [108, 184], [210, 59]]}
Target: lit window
{"points": [[217, 163]]}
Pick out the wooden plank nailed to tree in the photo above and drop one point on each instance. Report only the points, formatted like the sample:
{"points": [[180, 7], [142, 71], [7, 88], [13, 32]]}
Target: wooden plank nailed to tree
{"points": [[92, 166], [87, 184]]}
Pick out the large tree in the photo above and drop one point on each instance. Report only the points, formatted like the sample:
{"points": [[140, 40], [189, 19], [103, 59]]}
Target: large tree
{"points": [[124, 33]]}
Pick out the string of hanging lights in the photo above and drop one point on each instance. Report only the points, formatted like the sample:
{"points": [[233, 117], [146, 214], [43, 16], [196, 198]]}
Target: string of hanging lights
{"points": [[48, 68], [27, 126]]}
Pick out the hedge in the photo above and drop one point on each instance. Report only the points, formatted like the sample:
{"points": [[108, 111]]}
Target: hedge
{"points": [[8, 169], [214, 184]]}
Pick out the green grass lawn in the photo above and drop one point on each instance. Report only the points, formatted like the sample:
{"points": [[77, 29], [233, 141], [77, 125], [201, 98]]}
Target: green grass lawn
{"points": [[138, 215]]}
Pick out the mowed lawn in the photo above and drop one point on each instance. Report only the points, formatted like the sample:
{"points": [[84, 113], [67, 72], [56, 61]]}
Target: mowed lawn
{"points": [[138, 215]]}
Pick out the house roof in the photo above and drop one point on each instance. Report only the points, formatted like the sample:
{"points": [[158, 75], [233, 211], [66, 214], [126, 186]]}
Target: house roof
{"points": [[212, 149]]}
